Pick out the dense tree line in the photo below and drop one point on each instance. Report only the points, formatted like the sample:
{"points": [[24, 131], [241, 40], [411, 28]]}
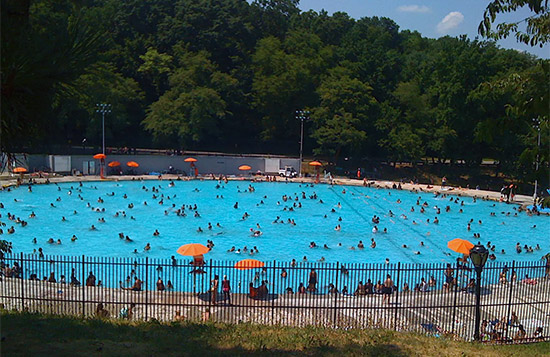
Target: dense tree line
{"points": [[229, 75]]}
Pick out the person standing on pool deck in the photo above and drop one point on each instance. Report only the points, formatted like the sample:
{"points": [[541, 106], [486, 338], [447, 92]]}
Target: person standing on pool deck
{"points": [[312, 283], [214, 289], [387, 290], [226, 288]]}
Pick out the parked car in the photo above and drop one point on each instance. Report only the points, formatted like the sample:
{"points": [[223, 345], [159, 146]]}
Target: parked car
{"points": [[288, 171]]}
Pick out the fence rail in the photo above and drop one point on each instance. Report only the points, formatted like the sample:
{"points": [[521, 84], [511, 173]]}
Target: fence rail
{"points": [[435, 299]]}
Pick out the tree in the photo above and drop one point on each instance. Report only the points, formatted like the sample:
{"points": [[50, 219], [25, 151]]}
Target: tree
{"points": [[286, 75], [156, 66], [41, 59], [342, 118], [192, 110], [537, 26]]}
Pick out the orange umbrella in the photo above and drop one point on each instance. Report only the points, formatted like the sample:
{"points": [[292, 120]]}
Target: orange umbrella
{"points": [[315, 163], [249, 264], [192, 249], [460, 246], [244, 167], [20, 170], [190, 159], [100, 156], [132, 164], [113, 164]]}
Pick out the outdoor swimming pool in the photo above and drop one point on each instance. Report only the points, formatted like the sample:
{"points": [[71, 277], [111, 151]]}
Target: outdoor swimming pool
{"points": [[279, 241]]}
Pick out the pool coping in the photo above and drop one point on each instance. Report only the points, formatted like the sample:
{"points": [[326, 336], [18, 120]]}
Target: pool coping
{"points": [[521, 200]]}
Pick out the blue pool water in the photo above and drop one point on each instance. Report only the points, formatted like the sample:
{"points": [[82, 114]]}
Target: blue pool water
{"points": [[279, 241]]}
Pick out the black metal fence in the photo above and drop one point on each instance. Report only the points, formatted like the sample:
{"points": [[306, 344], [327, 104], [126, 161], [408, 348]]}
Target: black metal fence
{"points": [[436, 299]]}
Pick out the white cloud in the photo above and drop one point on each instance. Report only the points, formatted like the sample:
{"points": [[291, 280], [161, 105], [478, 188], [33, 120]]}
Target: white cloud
{"points": [[450, 22], [414, 8]]}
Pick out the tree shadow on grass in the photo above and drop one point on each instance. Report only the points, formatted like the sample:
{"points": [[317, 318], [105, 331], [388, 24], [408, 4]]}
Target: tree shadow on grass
{"points": [[33, 334]]}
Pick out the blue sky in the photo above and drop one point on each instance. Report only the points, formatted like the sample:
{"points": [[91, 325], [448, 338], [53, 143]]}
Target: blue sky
{"points": [[432, 18]]}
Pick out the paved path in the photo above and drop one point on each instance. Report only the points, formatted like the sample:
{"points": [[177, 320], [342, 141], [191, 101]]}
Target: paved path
{"points": [[436, 311]]}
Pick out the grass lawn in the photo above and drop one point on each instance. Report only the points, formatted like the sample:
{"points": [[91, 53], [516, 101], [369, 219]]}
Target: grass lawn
{"points": [[40, 335]]}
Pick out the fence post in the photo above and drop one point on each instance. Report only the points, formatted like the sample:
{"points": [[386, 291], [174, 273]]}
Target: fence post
{"points": [[456, 297], [510, 297], [146, 287], [22, 277], [397, 296], [335, 308], [274, 292], [209, 296], [83, 283]]}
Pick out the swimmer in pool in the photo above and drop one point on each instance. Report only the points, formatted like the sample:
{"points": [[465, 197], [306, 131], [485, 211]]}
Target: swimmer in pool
{"points": [[147, 247], [255, 233]]}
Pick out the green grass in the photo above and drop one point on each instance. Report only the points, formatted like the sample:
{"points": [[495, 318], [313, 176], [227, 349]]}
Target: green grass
{"points": [[38, 335]]}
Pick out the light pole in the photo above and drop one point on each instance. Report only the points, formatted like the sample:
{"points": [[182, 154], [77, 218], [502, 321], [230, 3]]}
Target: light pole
{"points": [[103, 109], [478, 256], [302, 115], [537, 125]]}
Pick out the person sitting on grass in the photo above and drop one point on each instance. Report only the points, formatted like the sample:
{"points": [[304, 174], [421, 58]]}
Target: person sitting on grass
{"points": [[100, 311], [179, 316], [127, 313], [521, 334], [206, 315], [514, 320]]}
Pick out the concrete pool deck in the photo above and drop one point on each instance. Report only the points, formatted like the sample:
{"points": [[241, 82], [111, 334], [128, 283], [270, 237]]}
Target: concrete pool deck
{"points": [[521, 200]]}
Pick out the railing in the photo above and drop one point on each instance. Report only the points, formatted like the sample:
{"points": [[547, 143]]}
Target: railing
{"points": [[442, 305]]}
